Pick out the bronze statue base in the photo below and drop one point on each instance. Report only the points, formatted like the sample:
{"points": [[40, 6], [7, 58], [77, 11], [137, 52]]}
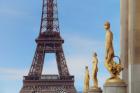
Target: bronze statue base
{"points": [[115, 86], [95, 90], [114, 80]]}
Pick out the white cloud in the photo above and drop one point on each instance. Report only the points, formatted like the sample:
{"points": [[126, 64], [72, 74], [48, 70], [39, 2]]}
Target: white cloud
{"points": [[11, 12], [12, 73], [82, 42]]}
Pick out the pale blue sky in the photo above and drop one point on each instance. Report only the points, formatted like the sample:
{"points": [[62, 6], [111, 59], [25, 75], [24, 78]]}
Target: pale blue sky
{"points": [[81, 25]]}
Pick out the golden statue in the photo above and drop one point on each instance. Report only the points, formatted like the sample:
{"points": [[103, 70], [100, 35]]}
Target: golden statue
{"points": [[95, 70], [86, 81], [110, 64]]}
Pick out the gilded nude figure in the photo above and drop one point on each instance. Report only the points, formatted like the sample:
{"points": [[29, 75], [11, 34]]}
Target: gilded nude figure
{"points": [[95, 70], [86, 80], [110, 64]]}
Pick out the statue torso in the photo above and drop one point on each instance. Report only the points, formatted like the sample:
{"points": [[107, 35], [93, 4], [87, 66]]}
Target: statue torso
{"points": [[95, 64], [109, 39]]}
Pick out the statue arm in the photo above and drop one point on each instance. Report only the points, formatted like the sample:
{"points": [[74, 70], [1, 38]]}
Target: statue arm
{"points": [[106, 53]]}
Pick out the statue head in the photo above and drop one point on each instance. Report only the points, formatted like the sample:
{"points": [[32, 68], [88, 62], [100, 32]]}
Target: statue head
{"points": [[86, 67], [107, 25], [95, 54]]}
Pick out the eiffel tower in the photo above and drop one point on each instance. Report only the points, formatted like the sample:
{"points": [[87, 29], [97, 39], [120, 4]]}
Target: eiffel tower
{"points": [[49, 41]]}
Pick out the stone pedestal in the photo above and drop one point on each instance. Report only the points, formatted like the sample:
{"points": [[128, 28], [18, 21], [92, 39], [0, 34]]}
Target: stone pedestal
{"points": [[115, 87], [95, 90]]}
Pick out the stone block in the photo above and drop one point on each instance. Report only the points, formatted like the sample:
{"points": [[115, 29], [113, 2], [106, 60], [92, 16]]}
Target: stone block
{"points": [[95, 90], [115, 87]]}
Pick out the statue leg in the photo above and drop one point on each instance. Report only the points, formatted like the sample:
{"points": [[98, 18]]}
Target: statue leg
{"points": [[109, 61], [95, 81]]}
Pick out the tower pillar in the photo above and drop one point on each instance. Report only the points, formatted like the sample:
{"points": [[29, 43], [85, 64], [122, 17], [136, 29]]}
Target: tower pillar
{"points": [[134, 46], [130, 43], [124, 38]]}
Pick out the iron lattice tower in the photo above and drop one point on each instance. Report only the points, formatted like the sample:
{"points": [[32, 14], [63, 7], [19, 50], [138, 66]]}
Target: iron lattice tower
{"points": [[49, 41]]}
